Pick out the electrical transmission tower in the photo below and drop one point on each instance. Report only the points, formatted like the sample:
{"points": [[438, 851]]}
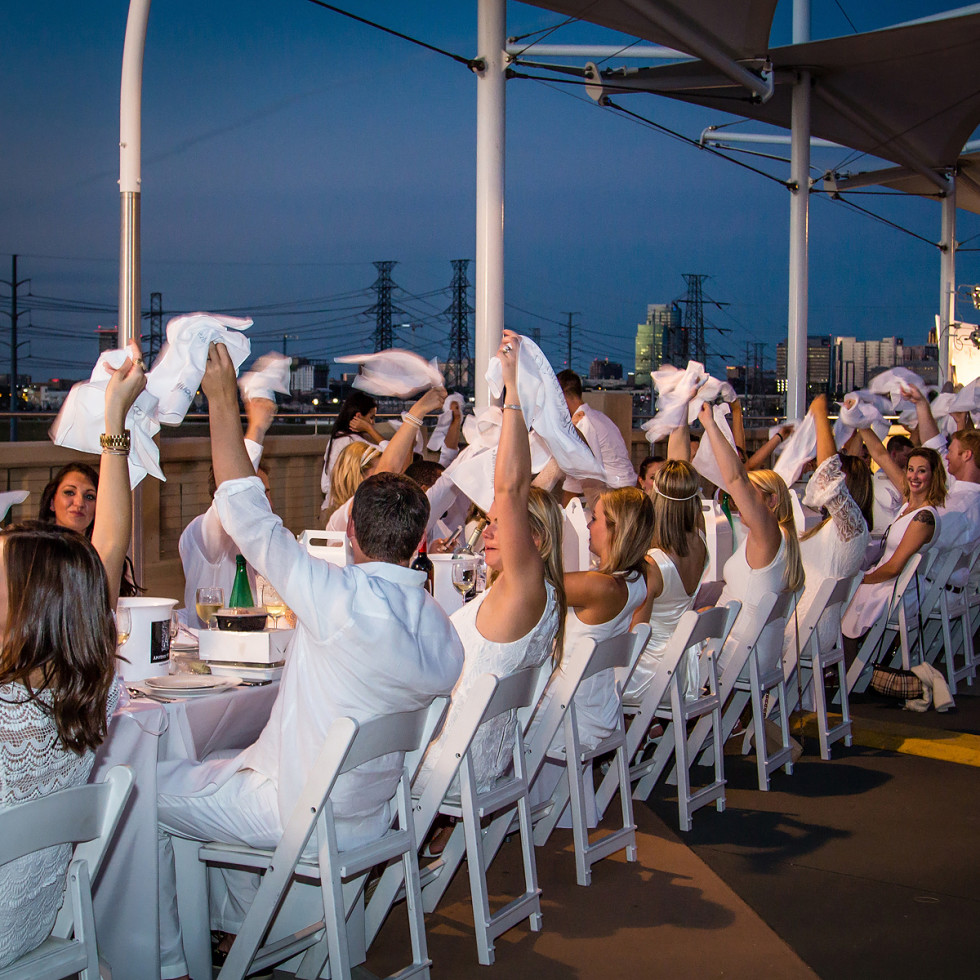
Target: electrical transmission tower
{"points": [[156, 327], [694, 317], [382, 309], [459, 367]]}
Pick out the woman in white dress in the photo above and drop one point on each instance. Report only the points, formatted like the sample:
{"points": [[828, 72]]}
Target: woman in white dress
{"points": [[840, 487], [57, 667], [516, 622], [923, 485], [767, 559], [675, 566]]}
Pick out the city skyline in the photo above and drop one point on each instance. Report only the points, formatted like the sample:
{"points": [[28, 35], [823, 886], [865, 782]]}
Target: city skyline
{"points": [[287, 149]]}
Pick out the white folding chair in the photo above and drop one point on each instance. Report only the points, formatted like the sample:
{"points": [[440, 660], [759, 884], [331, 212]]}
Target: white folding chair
{"points": [[954, 606], [708, 632], [86, 816], [881, 635], [331, 546], [619, 653], [341, 874], [828, 605], [454, 743], [545, 719], [510, 791]]}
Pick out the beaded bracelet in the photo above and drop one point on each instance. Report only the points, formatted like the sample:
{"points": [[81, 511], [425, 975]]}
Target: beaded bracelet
{"points": [[409, 417]]}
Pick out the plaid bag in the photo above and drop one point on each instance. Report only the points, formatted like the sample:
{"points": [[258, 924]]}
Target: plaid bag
{"points": [[892, 682]]}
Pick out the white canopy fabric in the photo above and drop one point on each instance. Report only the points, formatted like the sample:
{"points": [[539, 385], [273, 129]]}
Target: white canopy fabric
{"points": [[909, 94], [740, 28]]}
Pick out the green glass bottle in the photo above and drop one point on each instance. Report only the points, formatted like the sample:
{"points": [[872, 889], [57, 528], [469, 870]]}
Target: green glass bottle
{"points": [[241, 591]]}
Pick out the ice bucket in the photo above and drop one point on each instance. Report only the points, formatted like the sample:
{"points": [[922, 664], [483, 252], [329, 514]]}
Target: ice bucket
{"points": [[148, 648]]}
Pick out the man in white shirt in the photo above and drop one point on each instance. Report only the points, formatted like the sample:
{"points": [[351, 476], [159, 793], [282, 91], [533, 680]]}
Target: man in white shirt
{"points": [[601, 433], [369, 641], [888, 501]]}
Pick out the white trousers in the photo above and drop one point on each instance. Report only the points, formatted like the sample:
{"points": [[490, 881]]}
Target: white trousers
{"points": [[244, 810]]}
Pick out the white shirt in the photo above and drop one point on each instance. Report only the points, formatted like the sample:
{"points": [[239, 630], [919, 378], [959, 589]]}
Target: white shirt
{"points": [[888, 501], [607, 444], [369, 641], [208, 554], [962, 498]]}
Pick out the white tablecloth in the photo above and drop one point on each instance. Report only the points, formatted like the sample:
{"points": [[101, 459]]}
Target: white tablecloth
{"points": [[141, 734]]}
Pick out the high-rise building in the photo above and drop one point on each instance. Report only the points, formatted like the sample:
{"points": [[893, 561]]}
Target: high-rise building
{"points": [[820, 363], [661, 318], [858, 361], [602, 369]]}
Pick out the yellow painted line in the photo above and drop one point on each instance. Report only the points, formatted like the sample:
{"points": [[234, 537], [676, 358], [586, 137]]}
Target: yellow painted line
{"points": [[930, 743]]}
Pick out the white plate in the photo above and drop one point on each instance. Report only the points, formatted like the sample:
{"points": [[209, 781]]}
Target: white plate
{"points": [[244, 672], [190, 685]]}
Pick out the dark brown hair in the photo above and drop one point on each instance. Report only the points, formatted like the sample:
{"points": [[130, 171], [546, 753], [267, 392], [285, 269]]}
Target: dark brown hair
{"points": [[390, 512], [59, 627], [45, 510]]}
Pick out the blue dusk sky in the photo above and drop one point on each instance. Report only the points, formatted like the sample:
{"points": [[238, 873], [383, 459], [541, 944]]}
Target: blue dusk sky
{"points": [[286, 148]]}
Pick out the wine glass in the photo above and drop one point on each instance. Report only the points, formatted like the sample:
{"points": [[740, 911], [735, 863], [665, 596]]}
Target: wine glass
{"points": [[274, 604], [207, 603], [465, 573], [124, 624]]}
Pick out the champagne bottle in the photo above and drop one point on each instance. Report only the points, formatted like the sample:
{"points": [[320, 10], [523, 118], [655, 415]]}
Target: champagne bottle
{"points": [[241, 591], [466, 550], [423, 563]]}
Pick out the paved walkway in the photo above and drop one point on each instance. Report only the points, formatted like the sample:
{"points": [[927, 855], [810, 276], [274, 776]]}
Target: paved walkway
{"points": [[859, 867]]}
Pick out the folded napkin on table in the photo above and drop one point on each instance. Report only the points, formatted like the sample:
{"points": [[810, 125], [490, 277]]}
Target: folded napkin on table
{"points": [[10, 497], [81, 420], [394, 373], [437, 440], [546, 412], [269, 374], [176, 374]]}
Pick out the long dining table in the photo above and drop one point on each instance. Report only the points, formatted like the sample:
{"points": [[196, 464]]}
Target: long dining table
{"points": [[141, 734]]}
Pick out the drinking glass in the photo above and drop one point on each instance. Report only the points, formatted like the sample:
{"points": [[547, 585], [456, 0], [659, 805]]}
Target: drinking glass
{"points": [[274, 604], [207, 603], [124, 624], [465, 575]]}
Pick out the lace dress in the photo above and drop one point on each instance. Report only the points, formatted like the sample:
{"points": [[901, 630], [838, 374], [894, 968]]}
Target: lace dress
{"points": [[667, 610], [493, 745], [33, 764]]}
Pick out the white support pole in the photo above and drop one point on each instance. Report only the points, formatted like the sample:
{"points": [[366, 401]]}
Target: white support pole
{"points": [[490, 135], [947, 285], [130, 140], [799, 227]]}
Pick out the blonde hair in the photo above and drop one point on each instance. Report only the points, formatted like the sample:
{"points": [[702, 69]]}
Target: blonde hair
{"points": [[676, 506], [629, 518], [770, 482], [547, 524], [349, 472]]}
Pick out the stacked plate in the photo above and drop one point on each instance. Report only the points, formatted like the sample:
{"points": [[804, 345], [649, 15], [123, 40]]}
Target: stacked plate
{"points": [[190, 685]]}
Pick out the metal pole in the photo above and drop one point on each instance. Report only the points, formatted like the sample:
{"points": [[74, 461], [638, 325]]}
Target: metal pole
{"points": [[490, 135], [130, 136], [13, 350], [947, 276], [799, 218]]}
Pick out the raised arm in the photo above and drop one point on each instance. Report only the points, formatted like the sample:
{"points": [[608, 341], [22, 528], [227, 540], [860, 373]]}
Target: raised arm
{"points": [[759, 459], [881, 456], [228, 453], [826, 444], [738, 424], [764, 540], [517, 599], [927, 423], [112, 529], [260, 414], [398, 453], [679, 443]]}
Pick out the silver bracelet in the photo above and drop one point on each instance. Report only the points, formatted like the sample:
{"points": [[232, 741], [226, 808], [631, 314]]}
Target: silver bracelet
{"points": [[409, 417], [114, 452], [516, 408]]}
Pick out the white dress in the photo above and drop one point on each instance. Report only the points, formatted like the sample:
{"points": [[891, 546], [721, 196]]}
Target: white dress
{"points": [[33, 764], [748, 585], [871, 601], [596, 703], [837, 550], [493, 745], [667, 610]]}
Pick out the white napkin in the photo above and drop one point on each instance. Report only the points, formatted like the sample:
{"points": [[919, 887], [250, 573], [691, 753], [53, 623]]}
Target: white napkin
{"points": [[82, 420], [546, 412], [575, 537], [676, 389], [484, 430], [394, 373], [705, 461], [10, 497], [798, 449], [861, 410], [967, 399], [941, 407], [437, 440], [890, 383], [472, 472], [176, 374], [269, 374]]}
